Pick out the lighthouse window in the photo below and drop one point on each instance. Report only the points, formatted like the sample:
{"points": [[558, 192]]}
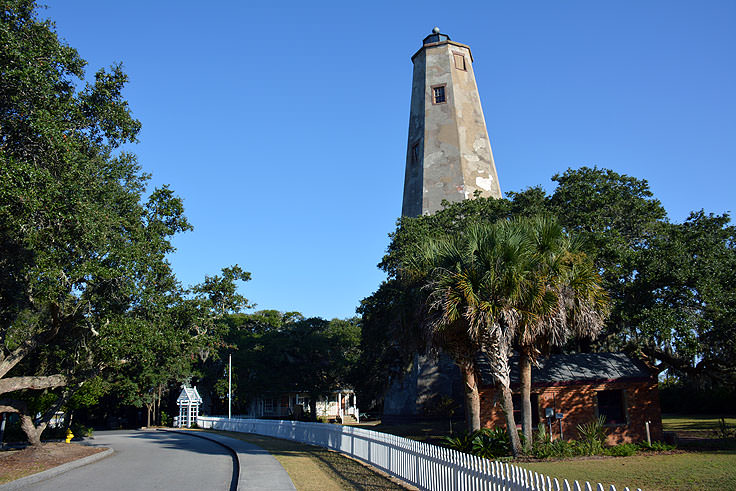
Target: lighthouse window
{"points": [[415, 153], [438, 95], [460, 61]]}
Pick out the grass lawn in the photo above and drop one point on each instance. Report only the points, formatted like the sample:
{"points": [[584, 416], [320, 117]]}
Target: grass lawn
{"points": [[318, 469], [703, 469], [694, 425], [665, 472]]}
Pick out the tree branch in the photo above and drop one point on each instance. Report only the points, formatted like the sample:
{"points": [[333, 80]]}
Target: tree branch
{"points": [[30, 344], [13, 406], [11, 384]]}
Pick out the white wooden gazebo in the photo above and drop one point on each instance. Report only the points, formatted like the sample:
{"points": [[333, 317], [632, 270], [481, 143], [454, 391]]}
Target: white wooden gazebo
{"points": [[188, 402]]}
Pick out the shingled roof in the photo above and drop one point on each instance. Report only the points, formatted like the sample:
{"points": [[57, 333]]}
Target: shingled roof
{"points": [[575, 368]]}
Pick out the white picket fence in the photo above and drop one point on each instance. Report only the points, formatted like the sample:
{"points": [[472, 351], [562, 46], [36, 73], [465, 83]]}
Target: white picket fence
{"points": [[419, 464]]}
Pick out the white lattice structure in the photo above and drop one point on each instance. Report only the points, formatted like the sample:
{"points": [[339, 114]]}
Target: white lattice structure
{"points": [[189, 401]]}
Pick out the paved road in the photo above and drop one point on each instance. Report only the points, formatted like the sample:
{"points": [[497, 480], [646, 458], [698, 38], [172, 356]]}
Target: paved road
{"points": [[150, 460]]}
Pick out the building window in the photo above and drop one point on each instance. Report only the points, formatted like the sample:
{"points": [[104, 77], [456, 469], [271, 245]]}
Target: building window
{"points": [[460, 61], [516, 399], [438, 95], [611, 406], [268, 406]]}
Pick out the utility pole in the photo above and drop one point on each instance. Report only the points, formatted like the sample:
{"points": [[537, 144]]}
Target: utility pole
{"points": [[229, 385]]}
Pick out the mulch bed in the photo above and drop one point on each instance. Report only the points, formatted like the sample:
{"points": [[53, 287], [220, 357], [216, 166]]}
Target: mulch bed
{"points": [[17, 463]]}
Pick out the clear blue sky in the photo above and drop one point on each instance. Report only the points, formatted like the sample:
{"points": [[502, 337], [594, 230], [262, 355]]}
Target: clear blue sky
{"points": [[284, 127]]}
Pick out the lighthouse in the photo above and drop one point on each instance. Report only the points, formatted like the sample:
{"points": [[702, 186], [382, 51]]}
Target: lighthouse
{"points": [[448, 157], [448, 154]]}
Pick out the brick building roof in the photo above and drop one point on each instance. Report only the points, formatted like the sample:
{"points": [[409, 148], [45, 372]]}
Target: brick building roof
{"points": [[575, 368]]}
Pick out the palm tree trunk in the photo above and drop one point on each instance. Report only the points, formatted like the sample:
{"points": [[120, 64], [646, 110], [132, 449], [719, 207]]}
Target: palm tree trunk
{"points": [[525, 366], [472, 399], [508, 409]]}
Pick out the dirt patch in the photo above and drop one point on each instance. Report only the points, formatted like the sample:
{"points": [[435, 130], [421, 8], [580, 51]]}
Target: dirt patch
{"points": [[15, 464]]}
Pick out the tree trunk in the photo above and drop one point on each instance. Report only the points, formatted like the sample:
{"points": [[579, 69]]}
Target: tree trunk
{"points": [[313, 407], [472, 399], [508, 409], [157, 407], [149, 407], [33, 432], [525, 366]]}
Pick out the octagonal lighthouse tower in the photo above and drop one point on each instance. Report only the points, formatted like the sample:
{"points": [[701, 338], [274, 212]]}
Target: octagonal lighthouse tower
{"points": [[448, 157], [448, 154]]}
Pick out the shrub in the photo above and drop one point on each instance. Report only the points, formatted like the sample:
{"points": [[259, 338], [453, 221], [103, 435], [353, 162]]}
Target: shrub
{"points": [[623, 450], [81, 430], [491, 443], [544, 448], [656, 446], [487, 443], [461, 443], [563, 449], [592, 436]]}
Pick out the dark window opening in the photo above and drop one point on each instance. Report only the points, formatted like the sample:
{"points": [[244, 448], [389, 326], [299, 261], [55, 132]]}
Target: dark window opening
{"points": [[459, 61], [516, 399], [439, 95], [415, 153], [611, 406]]}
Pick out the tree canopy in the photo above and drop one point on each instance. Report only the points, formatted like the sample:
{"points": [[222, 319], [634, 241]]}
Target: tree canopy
{"points": [[85, 287], [275, 352], [672, 297]]}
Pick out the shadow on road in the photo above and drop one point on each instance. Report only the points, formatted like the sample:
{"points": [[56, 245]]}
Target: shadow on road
{"points": [[188, 442]]}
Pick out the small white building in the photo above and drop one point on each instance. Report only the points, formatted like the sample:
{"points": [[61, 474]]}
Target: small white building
{"points": [[189, 401]]}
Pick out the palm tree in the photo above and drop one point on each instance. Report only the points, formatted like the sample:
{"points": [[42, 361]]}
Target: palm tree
{"points": [[570, 302], [475, 282]]}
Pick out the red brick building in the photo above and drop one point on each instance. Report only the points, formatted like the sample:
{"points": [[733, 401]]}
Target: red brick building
{"points": [[581, 387]]}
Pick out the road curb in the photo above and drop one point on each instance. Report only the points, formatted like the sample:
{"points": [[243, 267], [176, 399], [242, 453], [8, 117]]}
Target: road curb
{"points": [[54, 471]]}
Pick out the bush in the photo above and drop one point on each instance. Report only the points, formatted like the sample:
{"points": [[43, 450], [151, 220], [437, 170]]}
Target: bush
{"points": [[462, 443], [491, 443], [544, 448], [656, 446], [81, 430], [623, 450], [563, 449], [487, 443], [592, 436]]}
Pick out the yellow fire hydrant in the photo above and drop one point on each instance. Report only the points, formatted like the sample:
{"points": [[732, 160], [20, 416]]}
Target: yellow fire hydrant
{"points": [[69, 435]]}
